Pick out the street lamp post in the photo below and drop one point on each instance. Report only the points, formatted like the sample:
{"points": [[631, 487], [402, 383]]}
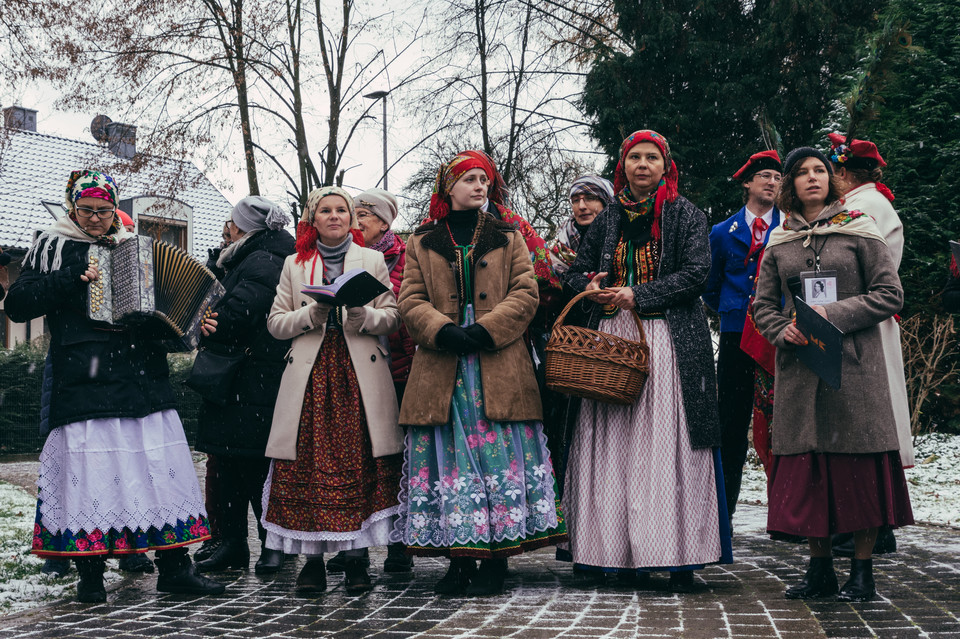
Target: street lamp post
{"points": [[382, 95]]}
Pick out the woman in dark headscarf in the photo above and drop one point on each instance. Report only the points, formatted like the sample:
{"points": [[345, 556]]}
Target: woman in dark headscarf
{"points": [[644, 488], [116, 474], [589, 195], [478, 481]]}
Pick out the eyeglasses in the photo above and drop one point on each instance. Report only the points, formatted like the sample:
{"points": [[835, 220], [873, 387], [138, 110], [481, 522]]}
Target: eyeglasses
{"points": [[87, 213], [768, 175]]}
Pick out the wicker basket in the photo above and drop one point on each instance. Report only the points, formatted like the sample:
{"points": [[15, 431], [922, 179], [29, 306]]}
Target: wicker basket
{"points": [[586, 363]]}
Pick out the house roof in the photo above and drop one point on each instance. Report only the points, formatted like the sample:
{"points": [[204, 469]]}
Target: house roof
{"points": [[34, 168]]}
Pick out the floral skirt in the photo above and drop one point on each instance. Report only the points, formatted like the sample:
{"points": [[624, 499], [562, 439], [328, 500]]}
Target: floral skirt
{"points": [[474, 487], [117, 486], [335, 495]]}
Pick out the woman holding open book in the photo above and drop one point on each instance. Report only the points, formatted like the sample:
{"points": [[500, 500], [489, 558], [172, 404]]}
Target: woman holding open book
{"points": [[836, 465], [478, 481], [334, 442]]}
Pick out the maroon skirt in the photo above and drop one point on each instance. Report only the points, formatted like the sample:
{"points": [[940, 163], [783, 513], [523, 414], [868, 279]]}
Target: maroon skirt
{"points": [[823, 494]]}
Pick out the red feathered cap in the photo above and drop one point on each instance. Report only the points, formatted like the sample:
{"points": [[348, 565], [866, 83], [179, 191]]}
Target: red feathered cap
{"points": [[843, 151], [758, 162], [453, 170]]}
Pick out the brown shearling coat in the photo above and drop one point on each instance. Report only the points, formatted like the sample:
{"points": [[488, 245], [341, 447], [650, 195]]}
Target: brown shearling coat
{"points": [[808, 415], [504, 299]]}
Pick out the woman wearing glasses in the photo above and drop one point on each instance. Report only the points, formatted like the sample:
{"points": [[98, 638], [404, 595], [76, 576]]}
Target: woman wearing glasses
{"points": [[116, 474]]}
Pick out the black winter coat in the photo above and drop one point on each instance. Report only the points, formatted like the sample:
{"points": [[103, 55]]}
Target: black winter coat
{"points": [[681, 279], [98, 371], [240, 428]]}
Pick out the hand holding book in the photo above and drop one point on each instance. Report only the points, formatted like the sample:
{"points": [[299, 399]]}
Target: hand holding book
{"points": [[355, 287]]}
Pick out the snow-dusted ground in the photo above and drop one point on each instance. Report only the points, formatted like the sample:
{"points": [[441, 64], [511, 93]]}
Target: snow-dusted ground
{"points": [[934, 481], [934, 493]]}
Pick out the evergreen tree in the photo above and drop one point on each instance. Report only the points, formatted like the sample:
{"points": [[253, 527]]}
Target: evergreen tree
{"points": [[706, 75]]}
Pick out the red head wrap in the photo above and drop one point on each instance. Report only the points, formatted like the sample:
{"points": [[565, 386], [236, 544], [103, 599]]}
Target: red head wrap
{"points": [[453, 170], [667, 191]]}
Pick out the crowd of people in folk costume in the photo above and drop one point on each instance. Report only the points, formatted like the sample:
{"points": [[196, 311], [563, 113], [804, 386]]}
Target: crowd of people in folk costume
{"points": [[419, 421]]}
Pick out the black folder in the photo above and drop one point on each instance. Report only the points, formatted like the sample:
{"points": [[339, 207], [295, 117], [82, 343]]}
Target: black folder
{"points": [[823, 353]]}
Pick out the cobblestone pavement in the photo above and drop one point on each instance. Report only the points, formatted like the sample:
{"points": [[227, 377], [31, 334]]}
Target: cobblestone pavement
{"points": [[919, 586]]}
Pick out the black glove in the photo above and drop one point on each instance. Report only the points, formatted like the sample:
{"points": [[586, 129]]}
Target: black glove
{"points": [[456, 340], [479, 334]]}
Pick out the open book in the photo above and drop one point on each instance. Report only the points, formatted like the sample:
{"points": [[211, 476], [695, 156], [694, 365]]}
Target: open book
{"points": [[355, 287]]}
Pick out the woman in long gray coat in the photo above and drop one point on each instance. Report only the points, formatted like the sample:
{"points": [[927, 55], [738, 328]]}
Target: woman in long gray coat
{"points": [[836, 463], [644, 489]]}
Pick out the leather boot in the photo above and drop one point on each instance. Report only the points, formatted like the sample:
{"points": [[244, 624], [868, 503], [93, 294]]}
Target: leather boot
{"points": [[206, 549], [489, 579], [270, 561], [339, 561], [312, 577], [397, 559], [681, 581], [355, 577], [55, 567], [231, 554], [820, 581], [135, 563], [90, 588], [178, 575], [459, 574], [859, 586]]}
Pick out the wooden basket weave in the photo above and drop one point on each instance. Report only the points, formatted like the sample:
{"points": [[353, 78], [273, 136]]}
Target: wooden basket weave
{"points": [[586, 363]]}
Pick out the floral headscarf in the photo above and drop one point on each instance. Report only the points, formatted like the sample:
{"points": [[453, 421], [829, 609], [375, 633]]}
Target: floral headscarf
{"points": [[666, 190], [87, 183], [307, 234], [453, 170]]}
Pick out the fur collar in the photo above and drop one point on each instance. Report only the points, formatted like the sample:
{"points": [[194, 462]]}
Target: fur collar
{"points": [[491, 235]]}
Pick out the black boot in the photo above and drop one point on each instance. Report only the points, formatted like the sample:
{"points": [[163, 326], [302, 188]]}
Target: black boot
{"points": [[270, 562], [135, 563], [820, 581], [90, 588], [459, 574], [397, 559], [55, 567], [355, 577], [339, 561], [886, 542], [230, 554], [859, 586], [312, 577], [842, 544], [206, 549], [681, 581], [178, 575], [489, 579]]}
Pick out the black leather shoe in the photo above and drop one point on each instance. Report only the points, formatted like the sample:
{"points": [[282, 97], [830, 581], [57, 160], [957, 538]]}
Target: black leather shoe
{"points": [[637, 580], [458, 576], [206, 549], [90, 587], [177, 574], [820, 581], [312, 577], [270, 562], [489, 578], [588, 578], [681, 581], [355, 578], [231, 554], [886, 542], [859, 586], [55, 567], [135, 563], [339, 561], [397, 559]]}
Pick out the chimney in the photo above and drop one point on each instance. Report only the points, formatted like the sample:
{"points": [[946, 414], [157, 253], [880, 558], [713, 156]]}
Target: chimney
{"points": [[122, 139], [17, 117]]}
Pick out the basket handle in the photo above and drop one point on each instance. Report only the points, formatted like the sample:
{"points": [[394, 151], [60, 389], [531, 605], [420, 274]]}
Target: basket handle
{"points": [[583, 294]]}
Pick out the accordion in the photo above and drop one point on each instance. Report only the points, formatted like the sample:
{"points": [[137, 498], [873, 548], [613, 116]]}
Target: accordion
{"points": [[155, 286]]}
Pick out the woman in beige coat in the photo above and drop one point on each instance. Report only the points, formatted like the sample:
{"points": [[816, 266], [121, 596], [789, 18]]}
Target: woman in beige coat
{"points": [[334, 441], [836, 465], [479, 482]]}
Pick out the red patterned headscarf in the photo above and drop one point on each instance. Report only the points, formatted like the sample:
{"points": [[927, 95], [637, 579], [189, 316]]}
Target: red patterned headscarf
{"points": [[453, 170], [666, 191]]}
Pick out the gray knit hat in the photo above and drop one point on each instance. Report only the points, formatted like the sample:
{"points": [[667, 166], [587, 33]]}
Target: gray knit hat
{"points": [[255, 213], [381, 203]]}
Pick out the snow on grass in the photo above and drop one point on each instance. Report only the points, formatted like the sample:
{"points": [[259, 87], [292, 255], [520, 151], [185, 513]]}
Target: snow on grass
{"points": [[22, 585], [934, 482]]}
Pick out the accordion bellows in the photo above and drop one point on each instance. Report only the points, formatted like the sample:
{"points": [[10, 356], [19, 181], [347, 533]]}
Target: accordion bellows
{"points": [[154, 285]]}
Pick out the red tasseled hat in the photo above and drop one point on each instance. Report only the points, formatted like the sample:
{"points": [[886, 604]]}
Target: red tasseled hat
{"points": [[843, 151], [759, 162]]}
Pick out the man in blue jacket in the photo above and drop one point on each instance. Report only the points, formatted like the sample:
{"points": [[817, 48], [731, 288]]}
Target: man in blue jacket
{"points": [[736, 245]]}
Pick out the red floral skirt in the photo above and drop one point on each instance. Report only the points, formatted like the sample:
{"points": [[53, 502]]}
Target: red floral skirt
{"points": [[822, 494], [335, 484]]}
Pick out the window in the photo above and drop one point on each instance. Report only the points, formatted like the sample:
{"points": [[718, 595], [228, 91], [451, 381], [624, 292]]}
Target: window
{"points": [[171, 231]]}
